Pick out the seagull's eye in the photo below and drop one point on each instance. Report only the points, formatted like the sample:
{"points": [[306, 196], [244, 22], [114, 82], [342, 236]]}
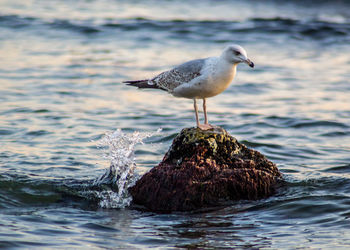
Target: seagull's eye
{"points": [[237, 53]]}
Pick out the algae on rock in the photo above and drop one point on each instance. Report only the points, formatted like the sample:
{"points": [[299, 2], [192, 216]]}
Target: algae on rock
{"points": [[203, 169]]}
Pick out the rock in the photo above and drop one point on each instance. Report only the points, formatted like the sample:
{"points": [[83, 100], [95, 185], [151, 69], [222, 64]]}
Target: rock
{"points": [[205, 169]]}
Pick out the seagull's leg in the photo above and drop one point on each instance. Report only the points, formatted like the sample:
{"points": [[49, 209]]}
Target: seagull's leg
{"points": [[196, 111], [206, 125], [205, 111]]}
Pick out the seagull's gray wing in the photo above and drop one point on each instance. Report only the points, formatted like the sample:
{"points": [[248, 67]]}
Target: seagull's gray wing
{"points": [[183, 73]]}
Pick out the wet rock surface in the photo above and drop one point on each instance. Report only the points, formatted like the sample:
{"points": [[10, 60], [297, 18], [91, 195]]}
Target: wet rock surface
{"points": [[205, 169]]}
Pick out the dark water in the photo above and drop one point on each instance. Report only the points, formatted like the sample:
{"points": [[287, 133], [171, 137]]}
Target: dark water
{"points": [[61, 67]]}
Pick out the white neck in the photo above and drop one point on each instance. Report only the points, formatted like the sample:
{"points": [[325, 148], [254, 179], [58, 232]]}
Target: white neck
{"points": [[225, 66]]}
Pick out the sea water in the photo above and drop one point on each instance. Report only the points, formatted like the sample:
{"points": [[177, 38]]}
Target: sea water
{"points": [[61, 91]]}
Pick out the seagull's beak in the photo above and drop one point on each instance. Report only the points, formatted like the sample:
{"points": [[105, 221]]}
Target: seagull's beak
{"points": [[250, 63]]}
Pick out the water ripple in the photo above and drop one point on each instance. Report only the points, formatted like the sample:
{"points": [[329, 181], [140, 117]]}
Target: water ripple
{"points": [[339, 169]]}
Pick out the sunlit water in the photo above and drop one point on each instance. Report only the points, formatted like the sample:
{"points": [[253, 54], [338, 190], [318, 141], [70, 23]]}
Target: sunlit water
{"points": [[62, 103]]}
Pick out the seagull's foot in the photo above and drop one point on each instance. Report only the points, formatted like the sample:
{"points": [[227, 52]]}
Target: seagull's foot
{"points": [[205, 126]]}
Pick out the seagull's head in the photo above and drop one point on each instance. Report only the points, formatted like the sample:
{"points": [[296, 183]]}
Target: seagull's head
{"points": [[236, 54]]}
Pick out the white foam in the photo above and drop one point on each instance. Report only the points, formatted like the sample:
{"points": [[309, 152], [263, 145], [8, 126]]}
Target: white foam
{"points": [[119, 149]]}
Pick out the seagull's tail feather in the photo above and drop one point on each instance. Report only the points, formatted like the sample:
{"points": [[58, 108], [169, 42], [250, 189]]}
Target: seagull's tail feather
{"points": [[142, 84]]}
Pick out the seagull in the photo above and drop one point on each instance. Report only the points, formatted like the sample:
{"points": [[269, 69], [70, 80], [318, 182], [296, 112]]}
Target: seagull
{"points": [[199, 78]]}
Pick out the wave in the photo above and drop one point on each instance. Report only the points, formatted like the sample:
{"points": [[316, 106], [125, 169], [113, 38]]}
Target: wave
{"points": [[314, 29], [110, 190], [21, 22]]}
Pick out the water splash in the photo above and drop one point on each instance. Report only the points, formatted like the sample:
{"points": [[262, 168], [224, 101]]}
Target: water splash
{"points": [[119, 149]]}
